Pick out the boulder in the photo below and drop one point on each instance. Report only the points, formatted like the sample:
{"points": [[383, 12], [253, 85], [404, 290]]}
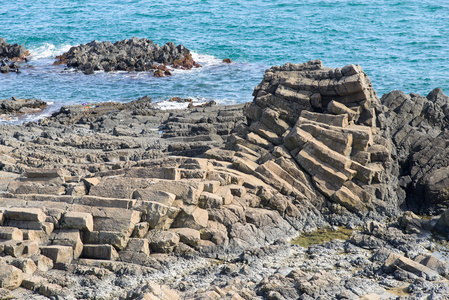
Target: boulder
{"points": [[162, 241], [10, 277]]}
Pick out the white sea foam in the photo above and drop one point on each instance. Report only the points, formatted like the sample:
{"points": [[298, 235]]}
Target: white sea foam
{"points": [[205, 59], [48, 50], [165, 104]]}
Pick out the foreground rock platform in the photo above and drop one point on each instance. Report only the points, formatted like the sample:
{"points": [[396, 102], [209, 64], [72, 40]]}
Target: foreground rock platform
{"points": [[126, 201]]}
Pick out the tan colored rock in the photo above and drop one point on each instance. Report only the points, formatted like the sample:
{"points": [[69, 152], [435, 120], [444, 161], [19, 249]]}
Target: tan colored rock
{"points": [[211, 186], [10, 233], [209, 200], [25, 264], [106, 252], [187, 190], [219, 154], [270, 118], [34, 235], [25, 214], [162, 241], [157, 215], [244, 165], [117, 239], [60, 255], [30, 248], [6, 294], [338, 108], [346, 198], [141, 229], [70, 238], [104, 202], [138, 245], [333, 120], [12, 248], [188, 236], [78, 220], [162, 197], [42, 262], [191, 217], [395, 261], [225, 193], [10, 277], [433, 263], [33, 283], [258, 140], [237, 190]]}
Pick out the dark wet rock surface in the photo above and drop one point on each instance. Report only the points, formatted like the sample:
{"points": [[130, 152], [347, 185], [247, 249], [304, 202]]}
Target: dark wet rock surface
{"points": [[128, 55]]}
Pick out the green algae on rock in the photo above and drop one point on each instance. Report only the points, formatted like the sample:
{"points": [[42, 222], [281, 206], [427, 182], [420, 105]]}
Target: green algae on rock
{"points": [[322, 235]]}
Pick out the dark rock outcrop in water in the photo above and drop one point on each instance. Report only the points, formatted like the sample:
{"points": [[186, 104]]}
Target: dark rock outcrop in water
{"points": [[125, 201], [13, 52], [21, 106], [128, 55], [10, 55]]}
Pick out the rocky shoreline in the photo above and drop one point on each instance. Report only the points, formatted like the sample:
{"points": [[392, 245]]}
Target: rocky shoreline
{"points": [[125, 201]]}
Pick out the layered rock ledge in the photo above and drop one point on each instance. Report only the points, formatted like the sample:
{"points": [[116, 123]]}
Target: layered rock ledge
{"points": [[128, 55], [130, 202]]}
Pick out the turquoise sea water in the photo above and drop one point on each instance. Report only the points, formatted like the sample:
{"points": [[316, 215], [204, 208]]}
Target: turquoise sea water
{"points": [[400, 44]]}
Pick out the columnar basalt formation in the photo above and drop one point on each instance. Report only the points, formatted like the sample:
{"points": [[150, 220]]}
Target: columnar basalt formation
{"points": [[128, 55], [325, 120]]}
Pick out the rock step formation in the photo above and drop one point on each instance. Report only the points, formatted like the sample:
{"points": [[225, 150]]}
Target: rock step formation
{"points": [[128, 55], [323, 120]]}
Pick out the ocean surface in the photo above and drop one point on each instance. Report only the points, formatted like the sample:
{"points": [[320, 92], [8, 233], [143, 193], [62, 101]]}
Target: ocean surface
{"points": [[401, 45]]}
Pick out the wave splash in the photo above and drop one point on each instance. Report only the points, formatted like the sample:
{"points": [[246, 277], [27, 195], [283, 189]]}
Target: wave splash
{"points": [[48, 50]]}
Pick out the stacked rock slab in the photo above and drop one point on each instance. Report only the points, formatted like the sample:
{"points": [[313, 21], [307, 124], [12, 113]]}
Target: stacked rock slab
{"points": [[325, 120]]}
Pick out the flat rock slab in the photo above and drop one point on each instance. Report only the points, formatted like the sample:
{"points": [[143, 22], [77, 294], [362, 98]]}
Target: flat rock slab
{"points": [[25, 214]]}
